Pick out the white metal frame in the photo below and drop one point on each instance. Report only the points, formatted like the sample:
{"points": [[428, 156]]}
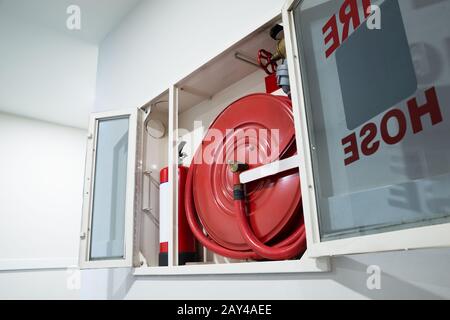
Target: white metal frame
{"points": [[173, 176], [133, 167], [414, 238], [305, 264]]}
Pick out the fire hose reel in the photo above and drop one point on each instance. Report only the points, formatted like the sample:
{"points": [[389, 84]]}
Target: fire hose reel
{"points": [[262, 219]]}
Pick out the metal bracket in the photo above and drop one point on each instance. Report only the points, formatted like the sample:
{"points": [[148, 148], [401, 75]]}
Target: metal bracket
{"points": [[149, 212], [246, 59], [270, 169]]}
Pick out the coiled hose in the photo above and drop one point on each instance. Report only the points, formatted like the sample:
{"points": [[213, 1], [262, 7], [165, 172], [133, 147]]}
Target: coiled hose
{"points": [[288, 248], [285, 245]]}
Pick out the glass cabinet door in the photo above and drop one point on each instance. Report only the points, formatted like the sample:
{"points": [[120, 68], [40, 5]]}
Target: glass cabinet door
{"points": [[109, 201], [374, 92], [109, 194]]}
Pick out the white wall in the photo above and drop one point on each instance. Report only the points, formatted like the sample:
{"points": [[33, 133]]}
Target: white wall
{"points": [[155, 46], [48, 74], [405, 275], [161, 41], [41, 189], [37, 285]]}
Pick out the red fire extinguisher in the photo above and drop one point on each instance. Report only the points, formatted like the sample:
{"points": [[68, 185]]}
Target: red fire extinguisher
{"points": [[187, 249]]}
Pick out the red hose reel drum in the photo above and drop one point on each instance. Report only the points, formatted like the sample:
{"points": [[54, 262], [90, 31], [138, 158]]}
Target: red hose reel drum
{"points": [[273, 204]]}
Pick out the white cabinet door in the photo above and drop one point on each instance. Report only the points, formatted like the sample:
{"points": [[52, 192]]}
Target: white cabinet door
{"points": [[371, 91], [110, 203]]}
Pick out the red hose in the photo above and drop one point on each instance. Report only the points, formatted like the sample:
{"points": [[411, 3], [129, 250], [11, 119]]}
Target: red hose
{"points": [[260, 225], [198, 232], [288, 248]]}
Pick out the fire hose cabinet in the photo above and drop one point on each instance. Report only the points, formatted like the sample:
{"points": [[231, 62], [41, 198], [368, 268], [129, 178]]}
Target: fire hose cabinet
{"points": [[283, 163]]}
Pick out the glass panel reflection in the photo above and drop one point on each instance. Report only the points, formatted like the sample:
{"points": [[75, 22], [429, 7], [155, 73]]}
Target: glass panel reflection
{"points": [[109, 194], [378, 112]]}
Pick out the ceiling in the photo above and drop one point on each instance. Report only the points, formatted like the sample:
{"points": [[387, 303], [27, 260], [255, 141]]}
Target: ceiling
{"points": [[98, 17], [48, 72]]}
